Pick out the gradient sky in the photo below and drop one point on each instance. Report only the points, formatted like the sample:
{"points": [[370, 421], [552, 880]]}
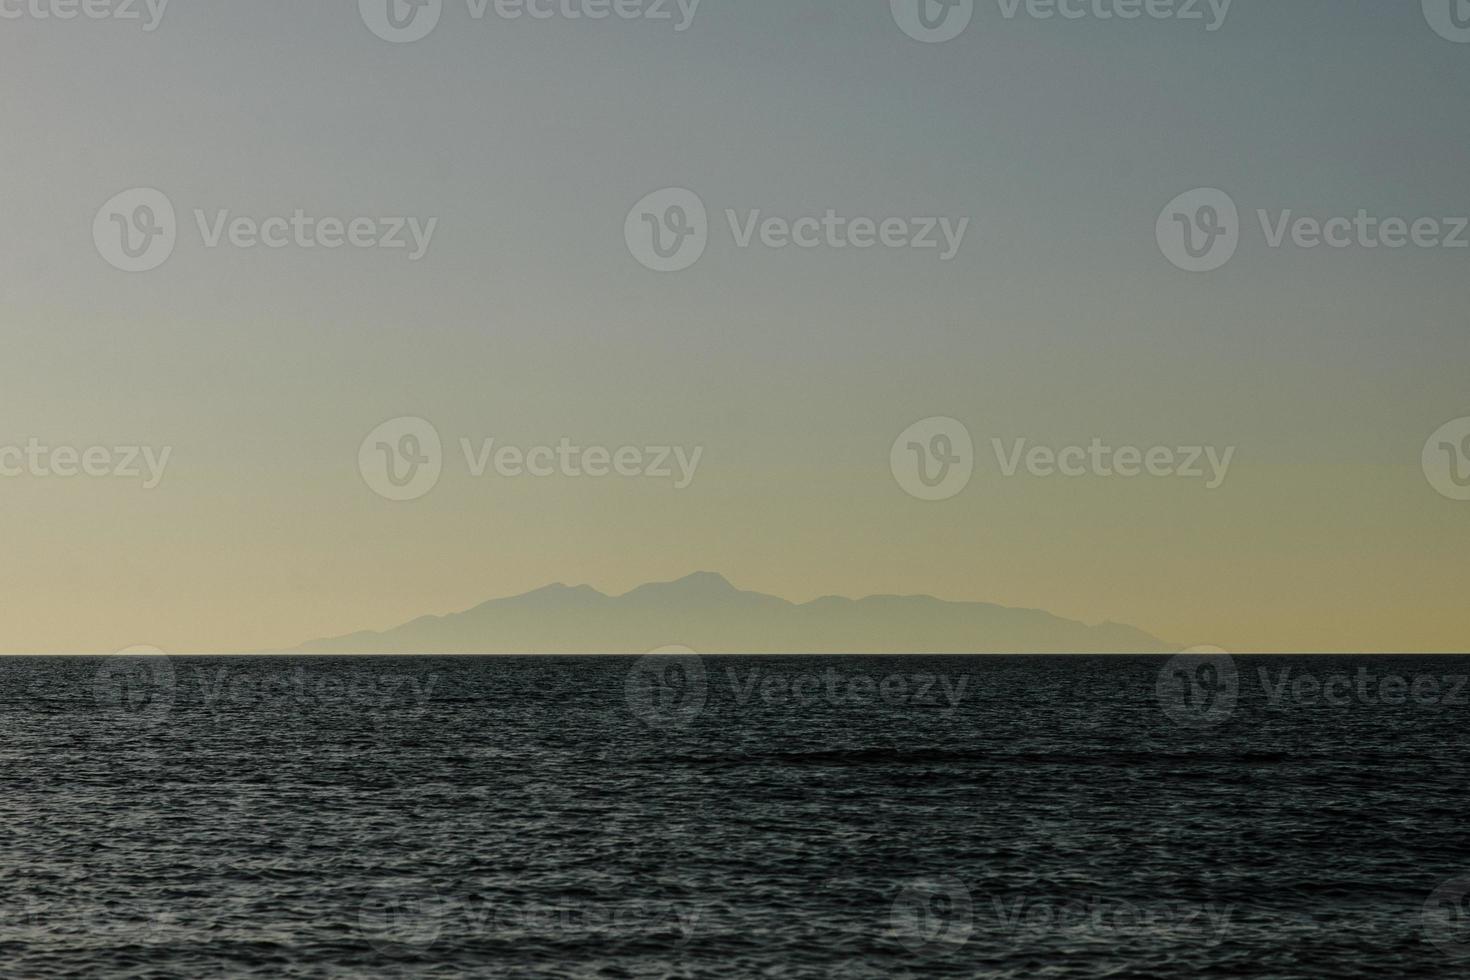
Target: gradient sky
{"points": [[529, 321]]}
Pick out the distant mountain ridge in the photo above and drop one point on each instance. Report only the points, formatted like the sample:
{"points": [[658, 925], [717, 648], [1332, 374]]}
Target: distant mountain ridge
{"points": [[706, 613]]}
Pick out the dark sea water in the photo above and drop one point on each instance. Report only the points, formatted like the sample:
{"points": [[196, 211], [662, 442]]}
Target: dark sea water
{"points": [[1037, 817]]}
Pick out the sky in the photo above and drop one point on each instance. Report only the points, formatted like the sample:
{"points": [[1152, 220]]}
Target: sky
{"points": [[530, 153]]}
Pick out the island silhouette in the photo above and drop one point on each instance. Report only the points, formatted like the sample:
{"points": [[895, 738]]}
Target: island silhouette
{"points": [[707, 614]]}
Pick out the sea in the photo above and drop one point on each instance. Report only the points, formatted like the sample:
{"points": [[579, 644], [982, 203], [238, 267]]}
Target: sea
{"points": [[777, 816]]}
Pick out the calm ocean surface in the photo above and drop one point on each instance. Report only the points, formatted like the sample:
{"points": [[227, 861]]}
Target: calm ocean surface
{"points": [[1037, 817]]}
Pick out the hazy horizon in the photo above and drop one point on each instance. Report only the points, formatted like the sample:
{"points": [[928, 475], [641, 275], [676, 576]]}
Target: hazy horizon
{"points": [[249, 392], [671, 628]]}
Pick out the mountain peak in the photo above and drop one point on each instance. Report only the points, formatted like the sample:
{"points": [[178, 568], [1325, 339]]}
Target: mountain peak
{"points": [[705, 612], [696, 583], [710, 580], [556, 592]]}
